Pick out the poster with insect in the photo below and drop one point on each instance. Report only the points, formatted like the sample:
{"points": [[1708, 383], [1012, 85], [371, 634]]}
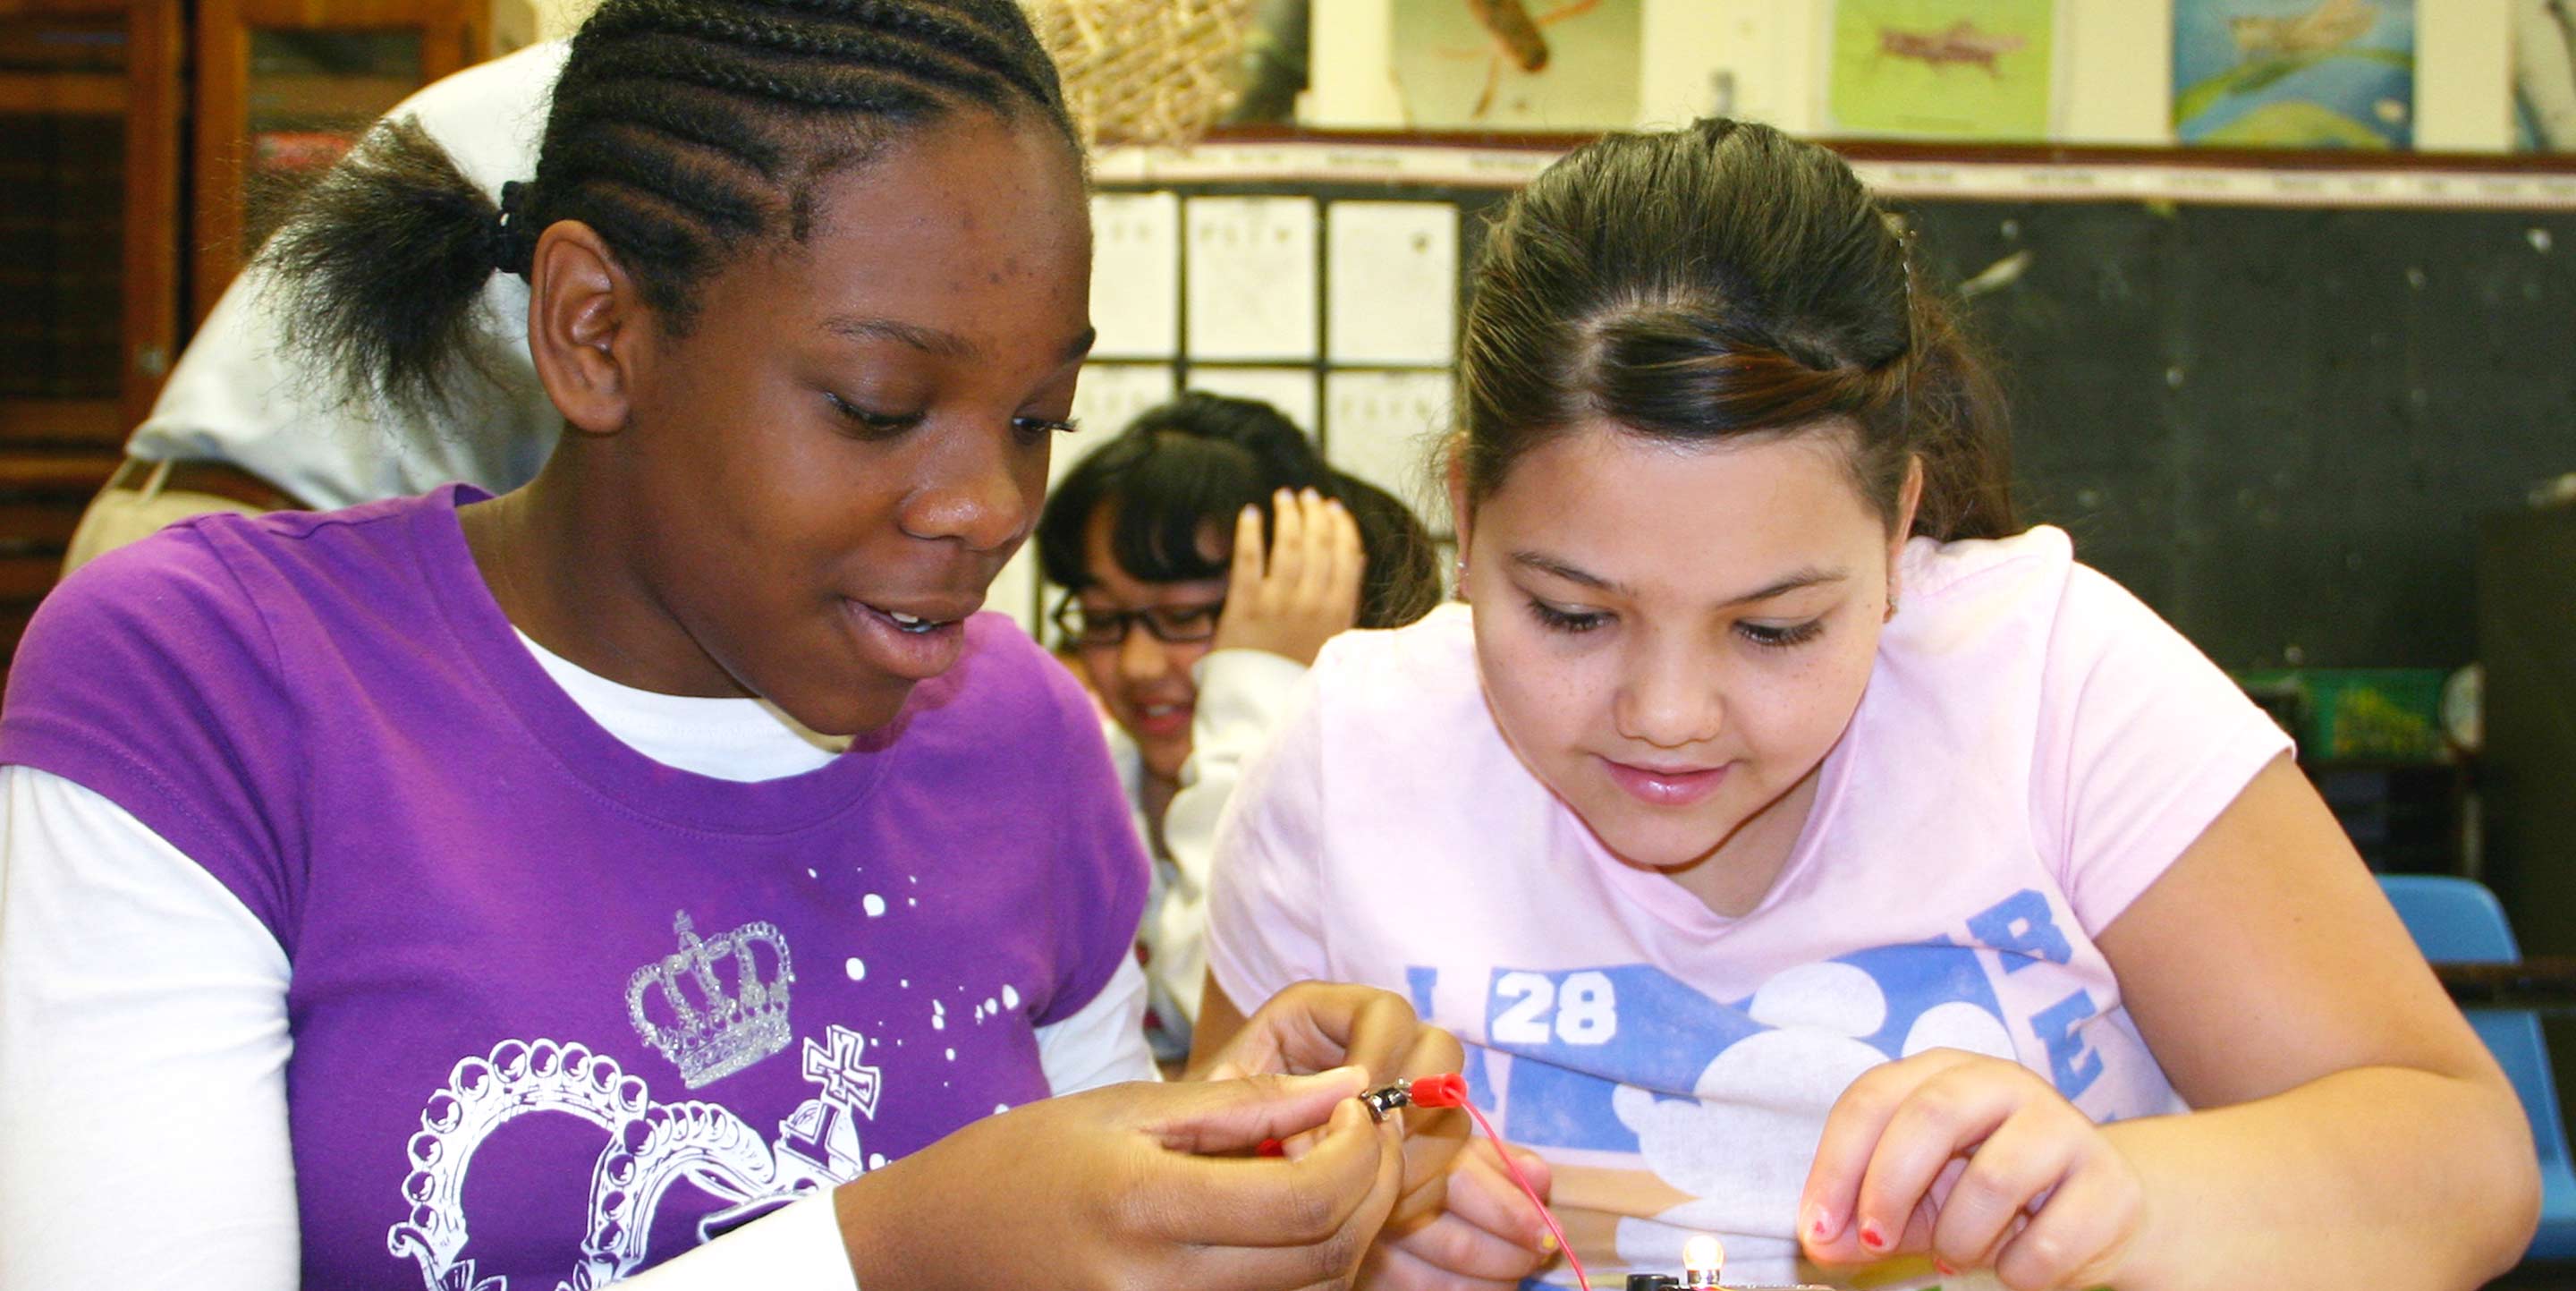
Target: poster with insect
{"points": [[1518, 64], [2544, 75], [1945, 69], [2294, 73]]}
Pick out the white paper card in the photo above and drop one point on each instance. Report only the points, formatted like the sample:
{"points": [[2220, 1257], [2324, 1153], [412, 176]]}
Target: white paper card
{"points": [[1105, 398], [1015, 589], [1251, 278], [1394, 282], [1384, 426], [1136, 274], [1290, 390]]}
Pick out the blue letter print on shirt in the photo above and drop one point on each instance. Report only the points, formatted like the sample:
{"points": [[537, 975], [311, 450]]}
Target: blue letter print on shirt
{"points": [[2024, 930], [2070, 1063], [1585, 1032]]}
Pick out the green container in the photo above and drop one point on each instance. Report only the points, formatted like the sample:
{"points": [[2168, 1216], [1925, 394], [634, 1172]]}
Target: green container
{"points": [[2356, 714]]}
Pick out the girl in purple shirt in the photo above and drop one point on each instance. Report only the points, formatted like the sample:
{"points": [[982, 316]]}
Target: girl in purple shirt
{"points": [[482, 892]]}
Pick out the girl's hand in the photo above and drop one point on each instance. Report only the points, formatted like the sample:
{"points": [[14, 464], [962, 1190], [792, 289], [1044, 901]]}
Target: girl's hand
{"points": [[1977, 1161], [1142, 1184], [1312, 1026], [1488, 1235], [1307, 590]]}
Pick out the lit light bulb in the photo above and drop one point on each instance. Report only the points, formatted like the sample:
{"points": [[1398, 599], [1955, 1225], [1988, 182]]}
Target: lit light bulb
{"points": [[1702, 1258]]}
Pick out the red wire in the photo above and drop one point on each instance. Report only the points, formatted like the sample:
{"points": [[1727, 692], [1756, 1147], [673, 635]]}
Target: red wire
{"points": [[1523, 1181]]}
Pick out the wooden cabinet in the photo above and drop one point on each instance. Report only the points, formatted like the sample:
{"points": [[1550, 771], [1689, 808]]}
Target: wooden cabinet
{"points": [[145, 147], [283, 88]]}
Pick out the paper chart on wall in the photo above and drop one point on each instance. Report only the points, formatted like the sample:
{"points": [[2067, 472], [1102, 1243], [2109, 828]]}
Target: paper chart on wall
{"points": [[1290, 390], [1105, 399], [1136, 274], [1392, 282], [1383, 426], [1251, 277]]}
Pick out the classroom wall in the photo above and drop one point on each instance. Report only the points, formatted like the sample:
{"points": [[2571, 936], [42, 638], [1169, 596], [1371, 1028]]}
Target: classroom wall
{"points": [[1762, 58]]}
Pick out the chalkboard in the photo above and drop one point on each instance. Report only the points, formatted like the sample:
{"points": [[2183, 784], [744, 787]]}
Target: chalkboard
{"points": [[2278, 427]]}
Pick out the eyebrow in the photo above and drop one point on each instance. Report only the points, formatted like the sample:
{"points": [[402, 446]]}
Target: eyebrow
{"points": [[1808, 577], [933, 341]]}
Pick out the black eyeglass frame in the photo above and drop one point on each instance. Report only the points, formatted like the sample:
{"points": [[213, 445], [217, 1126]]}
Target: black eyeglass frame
{"points": [[1069, 617]]}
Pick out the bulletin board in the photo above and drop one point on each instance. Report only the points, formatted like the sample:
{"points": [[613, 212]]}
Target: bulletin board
{"points": [[2277, 424]]}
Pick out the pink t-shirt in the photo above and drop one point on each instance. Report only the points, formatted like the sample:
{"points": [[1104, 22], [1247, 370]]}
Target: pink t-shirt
{"points": [[2034, 748]]}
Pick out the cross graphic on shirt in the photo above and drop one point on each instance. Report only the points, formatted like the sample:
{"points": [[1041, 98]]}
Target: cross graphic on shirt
{"points": [[838, 1070]]}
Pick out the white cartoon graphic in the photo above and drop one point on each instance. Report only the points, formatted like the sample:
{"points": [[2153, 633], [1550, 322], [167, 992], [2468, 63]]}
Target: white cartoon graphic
{"points": [[735, 1019], [1760, 1107]]}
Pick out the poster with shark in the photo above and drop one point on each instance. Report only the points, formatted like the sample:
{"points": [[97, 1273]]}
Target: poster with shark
{"points": [[1943, 69], [2544, 75], [2294, 73]]}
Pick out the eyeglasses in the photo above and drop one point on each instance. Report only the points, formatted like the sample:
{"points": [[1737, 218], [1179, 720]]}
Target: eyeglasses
{"points": [[1170, 624]]}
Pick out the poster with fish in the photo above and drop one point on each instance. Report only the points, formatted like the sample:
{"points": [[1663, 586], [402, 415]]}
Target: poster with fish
{"points": [[2544, 75], [1946, 69], [1518, 64], [2294, 73]]}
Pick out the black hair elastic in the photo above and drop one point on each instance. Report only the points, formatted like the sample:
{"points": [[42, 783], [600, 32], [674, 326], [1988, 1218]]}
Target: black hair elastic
{"points": [[509, 242]]}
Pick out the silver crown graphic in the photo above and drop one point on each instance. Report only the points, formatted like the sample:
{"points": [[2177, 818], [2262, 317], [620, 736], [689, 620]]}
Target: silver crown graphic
{"points": [[722, 1009]]}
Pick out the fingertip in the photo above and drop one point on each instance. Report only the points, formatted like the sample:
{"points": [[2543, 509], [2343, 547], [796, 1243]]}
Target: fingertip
{"points": [[1818, 1223]]}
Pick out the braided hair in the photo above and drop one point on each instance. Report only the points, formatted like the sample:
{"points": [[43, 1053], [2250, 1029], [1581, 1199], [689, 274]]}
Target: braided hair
{"points": [[1720, 280], [683, 131]]}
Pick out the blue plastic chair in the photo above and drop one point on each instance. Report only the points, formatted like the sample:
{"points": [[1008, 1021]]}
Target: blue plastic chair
{"points": [[2455, 920]]}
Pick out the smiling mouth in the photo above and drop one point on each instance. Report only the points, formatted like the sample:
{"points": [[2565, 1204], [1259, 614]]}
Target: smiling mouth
{"points": [[910, 624]]}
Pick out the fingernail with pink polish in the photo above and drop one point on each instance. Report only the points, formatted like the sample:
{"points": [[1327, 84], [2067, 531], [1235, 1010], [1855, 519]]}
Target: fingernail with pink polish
{"points": [[1944, 1268], [1872, 1236], [1820, 1224]]}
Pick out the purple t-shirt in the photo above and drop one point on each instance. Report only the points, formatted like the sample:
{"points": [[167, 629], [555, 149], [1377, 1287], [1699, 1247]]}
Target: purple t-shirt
{"points": [[559, 1011]]}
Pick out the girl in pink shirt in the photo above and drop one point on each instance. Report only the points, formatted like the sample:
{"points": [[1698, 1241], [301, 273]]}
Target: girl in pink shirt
{"points": [[1808, 855]]}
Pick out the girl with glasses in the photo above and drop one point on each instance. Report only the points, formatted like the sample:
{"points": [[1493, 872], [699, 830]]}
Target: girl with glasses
{"points": [[1207, 553]]}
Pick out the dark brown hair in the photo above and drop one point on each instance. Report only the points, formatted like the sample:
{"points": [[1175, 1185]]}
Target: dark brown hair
{"points": [[1725, 280], [1190, 466]]}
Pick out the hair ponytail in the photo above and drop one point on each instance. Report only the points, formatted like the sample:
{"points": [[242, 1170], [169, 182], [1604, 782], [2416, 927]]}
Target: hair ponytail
{"points": [[1958, 431], [377, 272]]}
